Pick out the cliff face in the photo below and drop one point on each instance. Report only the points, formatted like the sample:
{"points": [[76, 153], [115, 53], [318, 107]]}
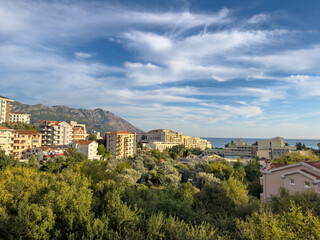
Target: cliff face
{"points": [[97, 119]]}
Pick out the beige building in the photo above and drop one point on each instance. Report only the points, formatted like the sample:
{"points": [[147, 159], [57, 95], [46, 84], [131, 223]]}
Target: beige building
{"points": [[79, 131], [161, 135], [273, 148], [240, 149], [6, 140], [54, 133], [88, 148], [19, 117], [160, 145], [121, 144], [195, 142], [295, 177], [25, 139], [5, 109]]}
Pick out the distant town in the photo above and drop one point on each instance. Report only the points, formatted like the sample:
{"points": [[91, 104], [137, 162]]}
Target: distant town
{"points": [[44, 139]]}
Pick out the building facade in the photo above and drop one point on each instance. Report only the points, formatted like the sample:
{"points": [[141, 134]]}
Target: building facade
{"points": [[273, 148], [20, 117], [44, 152], [25, 139], [5, 109], [6, 140], [121, 144], [88, 148], [54, 133], [295, 177], [161, 135], [195, 142], [240, 149], [79, 131]]}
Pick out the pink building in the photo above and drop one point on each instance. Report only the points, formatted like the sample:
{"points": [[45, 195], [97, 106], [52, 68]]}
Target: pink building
{"points": [[294, 177]]}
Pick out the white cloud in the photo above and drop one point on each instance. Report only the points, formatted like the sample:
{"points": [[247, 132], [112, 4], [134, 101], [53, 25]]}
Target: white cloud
{"points": [[82, 55], [258, 18]]}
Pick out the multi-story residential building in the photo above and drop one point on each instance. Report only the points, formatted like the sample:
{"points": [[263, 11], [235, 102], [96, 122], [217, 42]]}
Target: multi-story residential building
{"points": [[121, 144], [25, 139], [214, 151], [240, 149], [273, 148], [79, 131], [19, 117], [160, 145], [195, 142], [161, 135], [6, 140], [5, 108], [295, 177], [54, 133], [88, 148]]}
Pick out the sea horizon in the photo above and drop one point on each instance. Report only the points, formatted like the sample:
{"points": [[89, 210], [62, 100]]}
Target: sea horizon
{"points": [[218, 142]]}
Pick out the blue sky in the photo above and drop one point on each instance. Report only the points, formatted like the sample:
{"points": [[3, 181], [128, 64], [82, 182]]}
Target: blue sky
{"points": [[207, 68]]}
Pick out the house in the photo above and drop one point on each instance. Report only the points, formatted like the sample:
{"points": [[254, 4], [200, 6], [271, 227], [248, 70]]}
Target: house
{"points": [[44, 152], [294, 177], [88, 148]]}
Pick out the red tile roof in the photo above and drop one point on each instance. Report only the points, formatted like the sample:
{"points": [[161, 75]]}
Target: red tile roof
{"points": [[310, 173], [314, 164], [26, 132], [84, 142], [276, 165], [120, 132]]}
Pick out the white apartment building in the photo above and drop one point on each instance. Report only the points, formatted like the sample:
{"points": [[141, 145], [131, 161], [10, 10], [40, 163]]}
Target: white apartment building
{"points": [[20, 117], [54, 133], [121, 144], [79, 131], [5, 108], [6, 140], [88, 148]]}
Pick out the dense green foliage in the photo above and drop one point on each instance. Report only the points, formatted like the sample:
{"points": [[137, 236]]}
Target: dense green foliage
{"points": [[20, 126], [144, 197], [293, 157]]}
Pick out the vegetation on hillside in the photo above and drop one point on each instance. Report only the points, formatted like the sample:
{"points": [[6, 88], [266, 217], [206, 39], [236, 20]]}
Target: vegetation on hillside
{"points": [[145, 198]]}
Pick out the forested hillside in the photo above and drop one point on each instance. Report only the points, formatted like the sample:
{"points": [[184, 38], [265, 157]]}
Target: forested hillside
{"points": [[146, 197]]}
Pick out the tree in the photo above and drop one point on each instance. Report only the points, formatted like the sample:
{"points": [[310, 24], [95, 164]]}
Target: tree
{"points": [[92, 137], [292, 157]]}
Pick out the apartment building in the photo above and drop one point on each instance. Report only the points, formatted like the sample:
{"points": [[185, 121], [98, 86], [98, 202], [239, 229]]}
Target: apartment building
{"points": [[88, 148], [5, 109], [240, 149], [295, 177], [6, 140], [161, 135], [54, 133], [25, 139], [195, 142], [20, 117], [273, 148], [121, 144], [159, 145], [79, 131]]}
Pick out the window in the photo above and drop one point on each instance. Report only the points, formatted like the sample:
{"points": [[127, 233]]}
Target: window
{"points": [[292, 181], [307, 184]]}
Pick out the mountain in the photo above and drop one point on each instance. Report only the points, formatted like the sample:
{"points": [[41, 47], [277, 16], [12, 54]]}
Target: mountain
{"points": [[97, 119]]}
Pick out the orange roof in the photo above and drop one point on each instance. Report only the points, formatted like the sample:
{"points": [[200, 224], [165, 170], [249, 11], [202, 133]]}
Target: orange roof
{"points": [[84, 142], [120, 132], [314, 164], [4, 128], [53, 122], [26, 132]]}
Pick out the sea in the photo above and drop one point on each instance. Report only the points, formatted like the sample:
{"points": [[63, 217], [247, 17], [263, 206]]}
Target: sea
{"points": [[221, 142]]}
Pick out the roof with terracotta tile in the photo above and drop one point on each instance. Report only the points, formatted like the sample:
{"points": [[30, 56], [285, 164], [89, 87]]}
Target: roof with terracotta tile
{"points": [[310, 173], [26, 132], [84, 142], [314, 164], [120, 132], [276, 165]]}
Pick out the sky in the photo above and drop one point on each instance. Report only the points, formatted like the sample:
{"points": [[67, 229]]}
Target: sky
{"points": [[210, 68]]}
